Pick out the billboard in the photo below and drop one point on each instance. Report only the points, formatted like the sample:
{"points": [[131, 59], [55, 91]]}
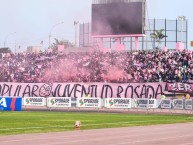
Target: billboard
{"points": [[59, 102], [89, 102], [34, 101], [10, 104], [178, 104], [122, 103], [142, 103], [166, 104], [153, 104], [118, 18], [189, 104]]}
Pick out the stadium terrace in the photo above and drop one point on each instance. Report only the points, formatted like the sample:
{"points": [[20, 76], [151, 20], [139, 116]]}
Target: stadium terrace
{"points": [[115, 67]]}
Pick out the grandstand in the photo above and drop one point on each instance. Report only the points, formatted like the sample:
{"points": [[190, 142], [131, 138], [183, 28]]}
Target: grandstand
{"points": [[115, 67], [128, 69]]}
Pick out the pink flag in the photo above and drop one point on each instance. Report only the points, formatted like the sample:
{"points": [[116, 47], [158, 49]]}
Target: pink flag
{"points": [[101, 49], [180, 46], [60, 48], [50, 50], [120, 47], [106, 50], [189, 51], [165, 49]]}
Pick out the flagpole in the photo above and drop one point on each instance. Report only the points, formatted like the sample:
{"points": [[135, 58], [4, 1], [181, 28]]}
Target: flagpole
{"points": [[75, 25], [52, 30]]}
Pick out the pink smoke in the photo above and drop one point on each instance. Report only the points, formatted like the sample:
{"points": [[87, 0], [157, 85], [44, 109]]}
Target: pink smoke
{"points": [[79, 68]]}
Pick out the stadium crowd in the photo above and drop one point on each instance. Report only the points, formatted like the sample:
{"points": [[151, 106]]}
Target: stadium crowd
{"points": [[115, 67]]}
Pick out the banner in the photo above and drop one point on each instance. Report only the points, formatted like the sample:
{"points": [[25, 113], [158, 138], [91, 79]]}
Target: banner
{"points": [[59, 102], [60, 48], [180, 87], [118, 103], [165, 49], [89, 102], [10, 104], [166, 104], [189, 104], [180, 46], [34, 101], [50, 50], [78, 90], [153, 104], [178, 104], [142, 103]]}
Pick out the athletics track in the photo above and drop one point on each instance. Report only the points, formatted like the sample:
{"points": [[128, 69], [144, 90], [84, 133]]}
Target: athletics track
{"points": [[174, 134]]}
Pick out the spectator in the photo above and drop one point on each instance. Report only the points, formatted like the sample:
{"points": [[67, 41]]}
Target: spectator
{"points": [[187, 96], [163, 96], [115, 67]]}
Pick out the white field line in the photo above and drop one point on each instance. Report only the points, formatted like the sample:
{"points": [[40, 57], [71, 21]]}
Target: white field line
{"points": [[26, 128], [118, 123]]}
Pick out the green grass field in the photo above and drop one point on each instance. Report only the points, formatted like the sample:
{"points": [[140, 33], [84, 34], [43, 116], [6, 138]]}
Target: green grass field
{"points": [[41, 122]]}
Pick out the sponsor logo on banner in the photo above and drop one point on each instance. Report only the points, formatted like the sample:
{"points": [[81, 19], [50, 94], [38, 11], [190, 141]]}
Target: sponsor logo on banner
{"points": [[166, 104], [178, 104], [152, 103], [142, 103], [10, 104], [118, 103], [89, 102], [59, 102], [81, 102], [34, 101], [188, 104]]}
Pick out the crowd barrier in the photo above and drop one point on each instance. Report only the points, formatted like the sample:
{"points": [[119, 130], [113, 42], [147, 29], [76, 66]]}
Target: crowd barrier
{"points": [[15, 104], [109, 103]]}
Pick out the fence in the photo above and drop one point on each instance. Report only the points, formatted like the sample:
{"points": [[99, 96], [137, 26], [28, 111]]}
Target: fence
{"points": [[96, 103], [176, 30], [109, 103]]}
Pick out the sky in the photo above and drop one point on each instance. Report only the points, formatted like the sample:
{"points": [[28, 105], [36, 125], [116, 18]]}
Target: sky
{"points": [[28, 22]]}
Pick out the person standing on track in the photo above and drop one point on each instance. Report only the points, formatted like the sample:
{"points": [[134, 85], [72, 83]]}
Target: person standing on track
{"points": [[163, 96]]}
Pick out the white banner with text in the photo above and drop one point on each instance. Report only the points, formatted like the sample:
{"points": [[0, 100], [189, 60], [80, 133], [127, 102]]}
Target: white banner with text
{"points": [[118, 103], [59, 102], [88, 103], [34, 101]]}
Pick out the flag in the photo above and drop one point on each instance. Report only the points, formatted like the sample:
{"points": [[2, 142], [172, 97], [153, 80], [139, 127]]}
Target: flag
{"points": [[165, 49], [60, 48], [180, 46], [50, 50], [86, 64], [106, 50], [120, 47]]}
